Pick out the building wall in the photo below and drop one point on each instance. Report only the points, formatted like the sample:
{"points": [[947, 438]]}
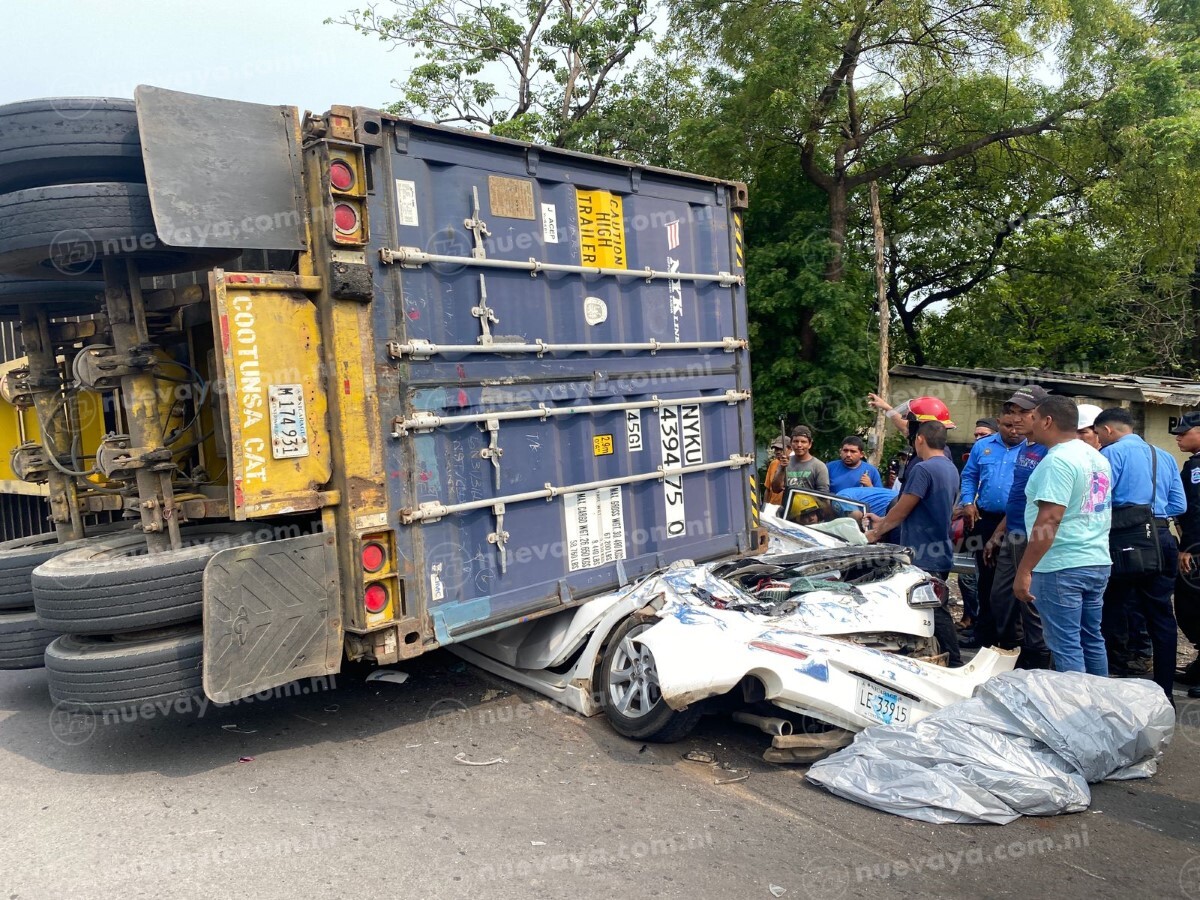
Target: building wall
{"points": [[970, 402]]}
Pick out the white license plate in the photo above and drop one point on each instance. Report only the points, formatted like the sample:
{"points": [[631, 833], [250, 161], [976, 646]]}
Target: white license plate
{"points": [[882, 705], [289, 426]]}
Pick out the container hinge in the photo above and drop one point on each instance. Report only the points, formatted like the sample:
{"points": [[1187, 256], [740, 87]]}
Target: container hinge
{"points": [[477, 226], [531, 161], [499, 537], [417, 348], [733, 398], [732, 344], [422, 422], [493, 451], [426, 512], [484, 313], [635, 180]]}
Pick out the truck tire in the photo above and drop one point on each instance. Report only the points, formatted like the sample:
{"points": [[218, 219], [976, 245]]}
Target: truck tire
{"points": [[19, 557], [64, 140], [69, 297], [22, 640], [112, 585], [67, 230], [632, 702], [99, 674]]}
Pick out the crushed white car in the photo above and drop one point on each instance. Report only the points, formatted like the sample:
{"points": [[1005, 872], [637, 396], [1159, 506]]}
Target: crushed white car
{"points": [[813, 640]]}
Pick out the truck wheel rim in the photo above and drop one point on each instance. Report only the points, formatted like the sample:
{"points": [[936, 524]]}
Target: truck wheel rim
{"points": [[633, 680]]}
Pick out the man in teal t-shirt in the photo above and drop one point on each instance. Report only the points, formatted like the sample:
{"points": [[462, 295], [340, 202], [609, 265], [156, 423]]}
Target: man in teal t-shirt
{"points": [[1068, 510]]}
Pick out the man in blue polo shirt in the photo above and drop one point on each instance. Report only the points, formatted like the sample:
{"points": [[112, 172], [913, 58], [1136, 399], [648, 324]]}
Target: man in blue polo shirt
{"points": [[1142, 474], [922, 517], [852, 470], [1017, 624], [986, 481]]}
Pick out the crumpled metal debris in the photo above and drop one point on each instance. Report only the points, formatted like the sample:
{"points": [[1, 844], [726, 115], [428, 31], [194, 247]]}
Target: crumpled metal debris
{"points": [[1027, 743]]}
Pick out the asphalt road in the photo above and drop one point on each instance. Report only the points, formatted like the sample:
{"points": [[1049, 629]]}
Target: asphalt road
{"points": [[363, 789]]}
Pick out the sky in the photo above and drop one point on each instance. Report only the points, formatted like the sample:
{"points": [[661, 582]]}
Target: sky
{"points": [[263, 51]]}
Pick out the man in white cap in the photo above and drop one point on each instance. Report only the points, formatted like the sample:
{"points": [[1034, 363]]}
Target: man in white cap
{"points": [[1087, 424]]}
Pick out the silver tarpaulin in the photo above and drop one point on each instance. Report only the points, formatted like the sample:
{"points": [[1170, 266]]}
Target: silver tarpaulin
{"points": [[1027, 743]]}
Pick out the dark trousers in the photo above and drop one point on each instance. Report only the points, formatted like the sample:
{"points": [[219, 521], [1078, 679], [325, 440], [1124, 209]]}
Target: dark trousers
{"points": [[1151, 596], [944, 630], [1017, 624], [985, 620], [1187, 606]]}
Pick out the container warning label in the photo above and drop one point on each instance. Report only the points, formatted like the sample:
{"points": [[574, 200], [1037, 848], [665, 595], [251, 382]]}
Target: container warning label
{"points": [[406, 202], [601, 230], [595, 527], [682, 444], [602, 445], [549, 223]]}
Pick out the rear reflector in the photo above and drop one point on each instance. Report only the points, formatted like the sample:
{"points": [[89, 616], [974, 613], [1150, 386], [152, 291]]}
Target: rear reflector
{"points": [[375, 598], [373, 557], [341, 176], [345, 218], [778, 648]]}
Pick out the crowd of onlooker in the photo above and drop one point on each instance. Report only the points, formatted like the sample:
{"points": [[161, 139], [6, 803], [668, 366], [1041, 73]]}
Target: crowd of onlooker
{"points": [[1082, 533]]}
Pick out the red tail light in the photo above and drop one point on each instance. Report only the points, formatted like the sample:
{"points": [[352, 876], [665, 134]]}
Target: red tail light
{"points": [[345, 218], [341, 176], [375, 598], [778, 648], [373, 557]]}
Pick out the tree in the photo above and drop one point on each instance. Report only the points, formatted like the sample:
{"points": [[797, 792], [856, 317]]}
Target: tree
{"points": [[868, 90], [536, 70]]}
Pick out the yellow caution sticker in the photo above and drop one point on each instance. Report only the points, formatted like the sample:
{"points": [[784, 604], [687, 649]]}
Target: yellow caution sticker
{"points": [[602, 445], [601, 230]]}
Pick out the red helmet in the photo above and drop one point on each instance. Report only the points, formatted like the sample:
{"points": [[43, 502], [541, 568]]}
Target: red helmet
{"points": [[929, 409]]}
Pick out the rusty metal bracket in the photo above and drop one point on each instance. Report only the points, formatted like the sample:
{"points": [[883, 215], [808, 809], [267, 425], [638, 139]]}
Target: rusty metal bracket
{"points": [[100, 367], [30, 462], [116, 459]]}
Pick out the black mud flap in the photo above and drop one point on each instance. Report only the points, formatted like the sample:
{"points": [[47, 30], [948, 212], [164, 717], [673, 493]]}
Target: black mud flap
{"points": [[271, 616], [246, 191]]}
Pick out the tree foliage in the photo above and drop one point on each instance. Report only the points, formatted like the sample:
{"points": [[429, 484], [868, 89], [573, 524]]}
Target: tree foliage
{"points": [[539, 70]]}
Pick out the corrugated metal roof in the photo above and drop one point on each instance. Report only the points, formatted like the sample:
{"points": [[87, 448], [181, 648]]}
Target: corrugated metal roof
{"points": [[1159, 390]]}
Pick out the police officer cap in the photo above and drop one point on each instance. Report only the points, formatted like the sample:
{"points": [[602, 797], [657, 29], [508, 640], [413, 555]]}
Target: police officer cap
{"points": [[1187, 422]]}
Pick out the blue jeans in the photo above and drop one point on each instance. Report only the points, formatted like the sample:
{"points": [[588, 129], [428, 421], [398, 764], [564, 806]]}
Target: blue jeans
{"points": [[1071, 603]]}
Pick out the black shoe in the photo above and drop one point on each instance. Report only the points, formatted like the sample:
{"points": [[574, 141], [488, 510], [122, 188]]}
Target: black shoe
{"points": [[1194, 692], [1189, 674]]}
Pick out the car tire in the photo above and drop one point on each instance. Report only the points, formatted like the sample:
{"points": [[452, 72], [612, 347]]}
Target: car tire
{"points": [[65, 140], [67, 230], [112, 586], [99, 674], [631, 699], [22, 640]]}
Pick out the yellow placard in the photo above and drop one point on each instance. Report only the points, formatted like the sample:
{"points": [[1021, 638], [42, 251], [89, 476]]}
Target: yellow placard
{"points": [[601, 230], [602, 445]]}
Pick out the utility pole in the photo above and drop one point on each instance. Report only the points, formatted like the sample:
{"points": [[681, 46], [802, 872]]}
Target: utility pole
{"points": [[884, 322]]}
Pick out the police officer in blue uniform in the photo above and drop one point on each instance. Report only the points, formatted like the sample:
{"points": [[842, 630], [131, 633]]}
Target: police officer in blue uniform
{"points": [[1132, 462], [1187, 584]]}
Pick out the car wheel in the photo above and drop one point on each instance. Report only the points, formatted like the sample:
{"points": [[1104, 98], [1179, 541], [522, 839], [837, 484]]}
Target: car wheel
{"points": [[99, 674], [22, 640], [64, 140], [112, 585], [632, 700], [67, 230]]}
